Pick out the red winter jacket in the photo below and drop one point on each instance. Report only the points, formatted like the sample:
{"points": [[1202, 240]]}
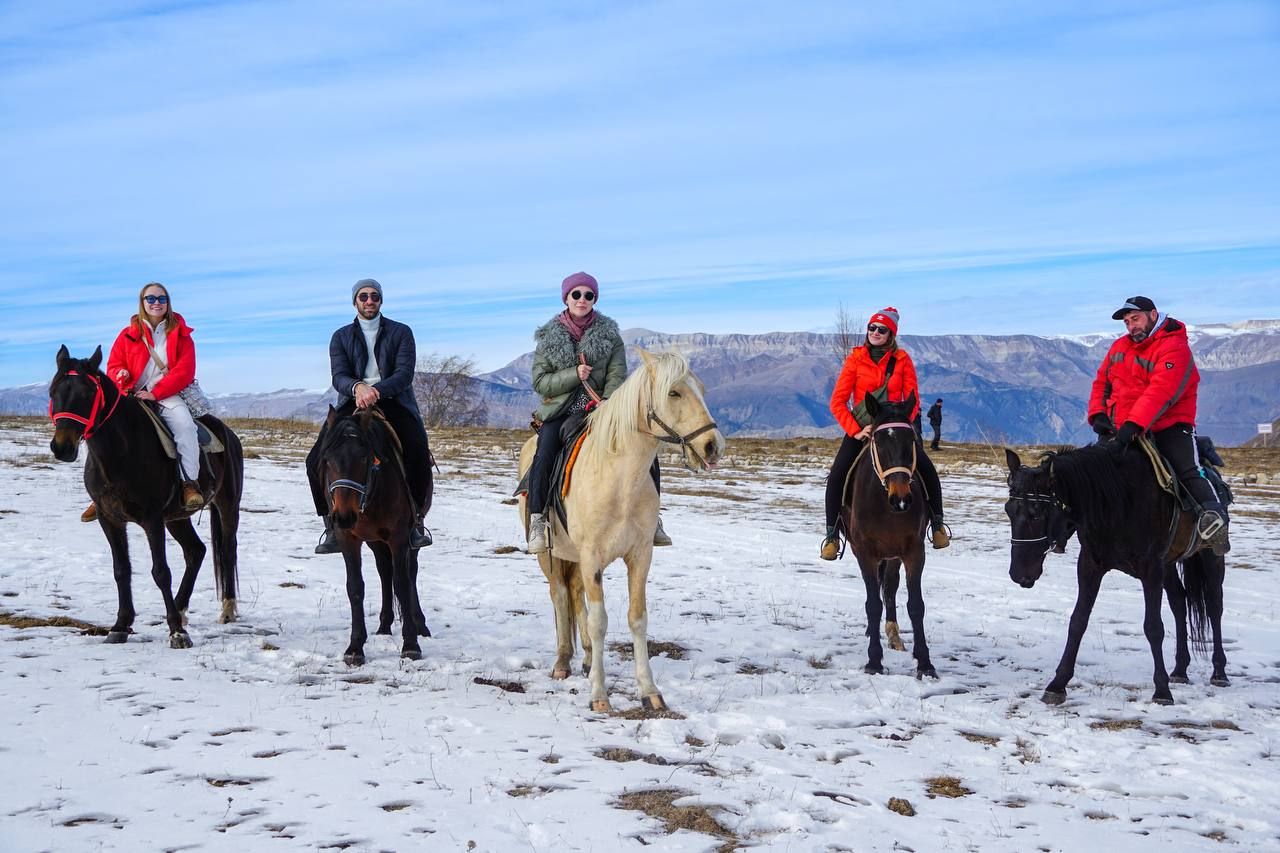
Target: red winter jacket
{"points": [[1153, 383], [130, 354], [860, 374]]}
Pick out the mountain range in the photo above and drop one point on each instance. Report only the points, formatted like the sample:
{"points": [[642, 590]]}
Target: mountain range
{"points": [[1021, 389]]}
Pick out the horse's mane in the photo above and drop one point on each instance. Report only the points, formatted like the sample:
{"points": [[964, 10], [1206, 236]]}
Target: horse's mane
{"points": [[625, 410], [379, 441], [1097, 484]]}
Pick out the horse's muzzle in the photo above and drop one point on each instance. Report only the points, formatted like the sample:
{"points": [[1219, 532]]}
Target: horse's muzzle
{"points": [[65, 445]]}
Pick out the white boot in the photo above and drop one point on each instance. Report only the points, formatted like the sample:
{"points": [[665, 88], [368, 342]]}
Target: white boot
{"points": [[538, 542], [660, 537]]}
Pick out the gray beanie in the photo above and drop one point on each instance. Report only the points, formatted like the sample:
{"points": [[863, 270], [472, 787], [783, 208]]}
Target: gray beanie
{"points": [[363, 283]]}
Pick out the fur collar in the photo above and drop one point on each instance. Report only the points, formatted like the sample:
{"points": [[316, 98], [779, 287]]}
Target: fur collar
{"points": [[555, 344]]}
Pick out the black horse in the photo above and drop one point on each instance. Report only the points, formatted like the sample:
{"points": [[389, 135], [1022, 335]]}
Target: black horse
{"points": [[1109, 497], [886, 522], [370, 502], [130, 478]]}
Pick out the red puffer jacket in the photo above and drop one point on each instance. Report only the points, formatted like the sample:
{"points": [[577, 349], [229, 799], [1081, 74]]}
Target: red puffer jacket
{"points": [[129, 357], [860, 374], [1153, 383]]}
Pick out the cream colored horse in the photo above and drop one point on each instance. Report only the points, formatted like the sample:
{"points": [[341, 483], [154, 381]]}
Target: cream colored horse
{"points": [[613, 510]]}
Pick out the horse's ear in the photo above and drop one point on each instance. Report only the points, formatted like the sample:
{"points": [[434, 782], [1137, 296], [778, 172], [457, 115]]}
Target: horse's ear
{"points": [[872, 405], [646, 357], [910, 402], [1011, 459], [95, 360], [366, 418], [331, 417], [63, 357]]}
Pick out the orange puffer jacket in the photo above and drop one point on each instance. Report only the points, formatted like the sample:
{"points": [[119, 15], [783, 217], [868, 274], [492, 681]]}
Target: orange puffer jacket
{"points": [[860, 375]]}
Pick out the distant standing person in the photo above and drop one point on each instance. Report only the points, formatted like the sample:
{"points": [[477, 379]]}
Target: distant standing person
{"points": [[372, 360], [877, 366], [935, 421]]}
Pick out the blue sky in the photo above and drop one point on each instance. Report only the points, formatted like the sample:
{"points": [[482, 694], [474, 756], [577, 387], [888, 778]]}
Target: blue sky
{"points": [[720, 167]]}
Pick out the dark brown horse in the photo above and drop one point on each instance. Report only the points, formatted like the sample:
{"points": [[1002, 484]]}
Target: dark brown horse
{"points": [[130, 478], [886, 522], [1108, 497], [370, 502]]}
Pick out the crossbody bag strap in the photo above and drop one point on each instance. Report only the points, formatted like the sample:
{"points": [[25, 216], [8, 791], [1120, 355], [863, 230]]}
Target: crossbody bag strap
{"points": [[155, 356]]}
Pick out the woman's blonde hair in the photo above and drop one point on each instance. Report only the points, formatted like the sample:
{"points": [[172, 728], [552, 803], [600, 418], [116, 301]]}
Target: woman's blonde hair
{"points": [[142, 305]]}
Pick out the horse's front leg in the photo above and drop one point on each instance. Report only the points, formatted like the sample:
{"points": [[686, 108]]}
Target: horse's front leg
{"points": [[638, 562], [890, 578], [118, 540], [915, 610], [178, 637], [1215, 573], [402, 579], [193, 551], [1177, 595], [354, 653], [386, 576], [1088, 582], [591, 570], [871, 580], [1153, 627], [423, 630]]}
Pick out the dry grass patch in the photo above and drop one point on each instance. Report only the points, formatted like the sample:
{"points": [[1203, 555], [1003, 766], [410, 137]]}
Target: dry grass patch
{"points": [[660, 805], [505, 686], [974, 737], [657, 648], [16, 620], [624, 755], [945, 786], [506, 549], [707, 493], [899, 805], [1115, 725], [642, 713]]}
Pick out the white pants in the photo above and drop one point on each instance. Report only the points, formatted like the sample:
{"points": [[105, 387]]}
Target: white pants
{"points": [[178, 417]]}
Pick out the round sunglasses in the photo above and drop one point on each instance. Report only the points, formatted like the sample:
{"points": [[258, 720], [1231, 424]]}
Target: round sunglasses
{"points": [[583, 294], [372, 296]]}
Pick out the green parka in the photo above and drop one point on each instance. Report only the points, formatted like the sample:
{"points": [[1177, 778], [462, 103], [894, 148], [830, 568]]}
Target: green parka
{"points": [[555, 363]]}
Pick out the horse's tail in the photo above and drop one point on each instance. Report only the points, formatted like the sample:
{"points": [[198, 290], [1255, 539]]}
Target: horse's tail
{"points": [[1195, 579]]}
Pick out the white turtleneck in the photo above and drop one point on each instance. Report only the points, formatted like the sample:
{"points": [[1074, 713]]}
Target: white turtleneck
{"points": [[370, 329]]}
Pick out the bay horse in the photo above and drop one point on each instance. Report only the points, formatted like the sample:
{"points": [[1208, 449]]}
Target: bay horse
{"points": [[885, 520], [131, 479], [612, 511], [371, 504], [1108, 496]]}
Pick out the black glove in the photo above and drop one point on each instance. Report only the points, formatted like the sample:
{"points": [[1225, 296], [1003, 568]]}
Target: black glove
{"points": [[1128, 432], [1102, 425]]}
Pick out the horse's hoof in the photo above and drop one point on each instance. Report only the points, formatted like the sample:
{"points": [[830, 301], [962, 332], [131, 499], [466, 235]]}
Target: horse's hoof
{"points": [[586, 668], [1179, 679], [601, 706], [927, 671], [114, 637], [1053, 697], [1220, 681], [559, 674], [1162, 700], [653, 703], [228, 614], [411, 654], [873, 669], [179, 640], [383, 630], [353, 658]]}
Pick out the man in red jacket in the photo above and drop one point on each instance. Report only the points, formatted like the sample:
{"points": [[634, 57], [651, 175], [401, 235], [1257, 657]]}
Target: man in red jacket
{"points": [[1148, 383]]}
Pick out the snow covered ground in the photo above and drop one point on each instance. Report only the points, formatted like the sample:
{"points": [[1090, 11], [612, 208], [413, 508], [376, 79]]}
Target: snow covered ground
{"points": [[260, 738]]}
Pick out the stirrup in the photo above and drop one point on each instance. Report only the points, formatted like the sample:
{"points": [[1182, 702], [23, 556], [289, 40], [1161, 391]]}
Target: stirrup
{"points": [[939, 534], [830, 547], [1211, 527]]}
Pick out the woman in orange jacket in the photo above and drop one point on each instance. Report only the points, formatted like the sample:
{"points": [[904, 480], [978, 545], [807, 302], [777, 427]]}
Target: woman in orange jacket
{"points": [[864, 373]]}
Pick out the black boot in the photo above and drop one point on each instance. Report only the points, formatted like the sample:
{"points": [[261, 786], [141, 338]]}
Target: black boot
{"points": [[419, 537], [328, 543]]}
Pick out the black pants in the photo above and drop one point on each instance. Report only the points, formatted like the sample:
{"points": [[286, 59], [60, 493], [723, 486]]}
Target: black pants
{"points": [[937, 434], [549, 445], [1178, 444], [848, 452], [413, 441]]}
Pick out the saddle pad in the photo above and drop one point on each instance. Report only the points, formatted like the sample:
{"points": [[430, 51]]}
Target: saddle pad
{"points": [[209, 442], [570, 462]]}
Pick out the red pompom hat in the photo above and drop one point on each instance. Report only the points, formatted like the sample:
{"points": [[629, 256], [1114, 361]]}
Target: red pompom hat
{"points": [[887, 317]]}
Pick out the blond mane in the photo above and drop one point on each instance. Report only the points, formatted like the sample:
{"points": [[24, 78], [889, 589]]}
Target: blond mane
{"points": [[624, 412]]}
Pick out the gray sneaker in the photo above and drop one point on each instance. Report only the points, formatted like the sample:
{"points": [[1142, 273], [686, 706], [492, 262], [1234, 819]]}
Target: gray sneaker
{"points": [[1212, 528], [538, 539], [660, 537]]}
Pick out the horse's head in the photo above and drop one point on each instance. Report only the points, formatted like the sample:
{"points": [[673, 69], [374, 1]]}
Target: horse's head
{"points": [[1038, 520], [893, 448], [676, 410], [76, 401], [348, 464]]}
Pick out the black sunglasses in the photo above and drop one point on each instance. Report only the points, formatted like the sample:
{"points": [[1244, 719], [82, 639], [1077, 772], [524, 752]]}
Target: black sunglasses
{"points": [[877, 328], [151, 299], [372, 296], [583, 294]]}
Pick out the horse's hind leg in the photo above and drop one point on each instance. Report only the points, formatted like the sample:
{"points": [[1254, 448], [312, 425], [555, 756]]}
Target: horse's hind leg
{"points": [[193, 551], [178, 637], [915, 610], [591, 570], [402, 578], [1215, 573], [119, 543], [1153, 627], [423, 630], [382, 559], [224, 527], [638, 620], [890, 577], [1088, 582], [561, 608], [871, 579], [353, 655], [1177, 596]]}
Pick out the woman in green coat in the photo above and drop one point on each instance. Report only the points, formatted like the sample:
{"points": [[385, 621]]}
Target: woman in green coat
{"points": [[566, 384]]}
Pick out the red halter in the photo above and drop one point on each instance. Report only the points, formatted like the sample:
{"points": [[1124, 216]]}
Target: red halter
{"points": [[99, 400]]}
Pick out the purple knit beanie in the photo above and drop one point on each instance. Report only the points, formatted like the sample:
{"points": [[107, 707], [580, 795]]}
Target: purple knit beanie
{"points": [[579, 279]]}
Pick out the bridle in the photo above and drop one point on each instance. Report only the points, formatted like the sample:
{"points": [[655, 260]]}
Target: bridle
{"points": [[1054, 503], [882, 472], [673, 437], [361, 489], [91, 423]]}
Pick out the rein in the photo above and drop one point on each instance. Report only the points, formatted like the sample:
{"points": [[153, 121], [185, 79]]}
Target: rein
{"points": [[673, 437], [99, 400], [882, 472]]}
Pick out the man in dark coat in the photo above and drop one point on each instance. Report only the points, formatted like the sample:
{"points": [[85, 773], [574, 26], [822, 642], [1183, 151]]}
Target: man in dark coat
{"points": [[385, 380], [935, 421]]}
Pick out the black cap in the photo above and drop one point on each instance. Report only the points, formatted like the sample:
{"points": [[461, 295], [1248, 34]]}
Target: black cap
{"points": [[1134, 303], [939, 400]]}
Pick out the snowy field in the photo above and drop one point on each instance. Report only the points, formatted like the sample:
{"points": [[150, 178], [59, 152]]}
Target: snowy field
{"points": [[260, 738]]}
